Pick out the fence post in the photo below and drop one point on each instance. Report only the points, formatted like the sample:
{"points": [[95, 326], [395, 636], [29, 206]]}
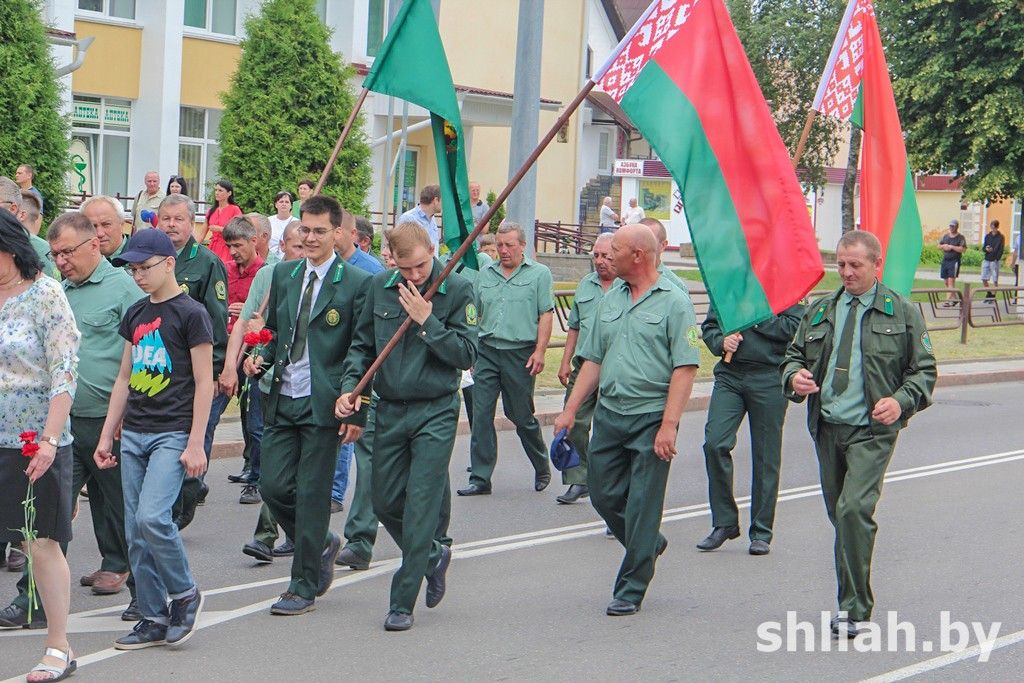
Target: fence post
{"points": [[965, 312]]}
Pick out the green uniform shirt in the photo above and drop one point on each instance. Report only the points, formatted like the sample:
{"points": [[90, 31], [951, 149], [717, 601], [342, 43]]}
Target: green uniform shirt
{"points": [[201, 275], [510, 308], [847, 408], [482, 260], [99, 303], [639, 345], [272, 259], [584, 306], [673, 278], [428, 361], [117, 252], [258, 291], [42, 248]]}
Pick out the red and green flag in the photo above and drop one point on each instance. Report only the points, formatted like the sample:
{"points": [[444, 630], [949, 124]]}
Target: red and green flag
{"points": [[412, 65], [856, 87], [683, 78]]}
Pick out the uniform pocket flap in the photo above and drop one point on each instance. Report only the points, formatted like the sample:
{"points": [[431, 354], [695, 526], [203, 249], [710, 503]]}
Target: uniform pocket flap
{"points": [[100, 318], [889, 328], [386, 312], [650, 318], [609, 316], [815, 334]]}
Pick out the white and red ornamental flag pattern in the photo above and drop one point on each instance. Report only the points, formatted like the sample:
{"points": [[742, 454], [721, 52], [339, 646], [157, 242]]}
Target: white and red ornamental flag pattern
{"points": [[840, 83]]}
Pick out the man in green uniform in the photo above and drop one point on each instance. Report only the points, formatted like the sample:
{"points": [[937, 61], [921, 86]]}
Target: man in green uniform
{"points": [[642, 351], [515, 302], [589, 293], [312, 310], [864, 357], [747, 383], [202, 276], [418, 402]]}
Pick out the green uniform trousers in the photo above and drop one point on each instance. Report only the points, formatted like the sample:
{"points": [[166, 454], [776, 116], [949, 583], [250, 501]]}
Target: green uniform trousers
{"points": [[627, 488], [758, 394], [297, 470], [503, 371], [579, 435], [410, 478], [266, 527], [852, 461], [361, 523]]}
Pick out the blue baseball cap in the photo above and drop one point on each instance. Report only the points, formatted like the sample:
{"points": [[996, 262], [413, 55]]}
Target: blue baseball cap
{"points": [[564, 455], [143, 245]]}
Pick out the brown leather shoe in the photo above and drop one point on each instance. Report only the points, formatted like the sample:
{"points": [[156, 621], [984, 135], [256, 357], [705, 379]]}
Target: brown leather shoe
{"points": [[108, 583], [90, 579]]}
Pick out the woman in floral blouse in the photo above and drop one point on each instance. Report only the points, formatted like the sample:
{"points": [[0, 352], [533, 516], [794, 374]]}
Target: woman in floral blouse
{"points": [[38, 363]]}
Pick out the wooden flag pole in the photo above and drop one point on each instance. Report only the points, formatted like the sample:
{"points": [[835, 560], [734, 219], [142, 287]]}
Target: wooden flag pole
{"points": [[801, 147], [484, 220], [341, 140]]}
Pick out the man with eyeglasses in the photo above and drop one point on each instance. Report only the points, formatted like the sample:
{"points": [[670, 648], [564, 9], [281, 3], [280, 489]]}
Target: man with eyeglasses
{"points": [[108, 219], [10, 199], [201, 275]]}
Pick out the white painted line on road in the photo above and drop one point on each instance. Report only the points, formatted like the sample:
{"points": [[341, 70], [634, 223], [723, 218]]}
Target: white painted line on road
{"points": [[528, 540], [945, 660]]}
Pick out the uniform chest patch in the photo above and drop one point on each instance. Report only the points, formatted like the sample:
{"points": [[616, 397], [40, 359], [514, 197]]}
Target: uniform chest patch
{"points": [[471, 316], [693, 336], [333, 317], [221, 289], [184, 288]]}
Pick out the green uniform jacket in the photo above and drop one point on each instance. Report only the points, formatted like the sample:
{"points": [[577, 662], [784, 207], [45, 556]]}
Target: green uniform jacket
{"points": [[201, 275], [763, 344], [896, 355], [428, 361], [332, 322]]}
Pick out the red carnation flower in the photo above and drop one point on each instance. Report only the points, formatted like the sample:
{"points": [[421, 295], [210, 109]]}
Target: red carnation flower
{"points": [[266, 336], [28, 436], [29, 449], [251, 338]]}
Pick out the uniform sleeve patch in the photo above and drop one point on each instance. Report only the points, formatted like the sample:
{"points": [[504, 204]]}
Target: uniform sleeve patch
{"points": [[471, 316], [693, 336], [221, 290], [926, 342]]}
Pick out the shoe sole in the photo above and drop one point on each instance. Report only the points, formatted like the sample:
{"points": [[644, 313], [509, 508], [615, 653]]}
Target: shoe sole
{"points": [[474, 493], [709, 549], [360, 567], [613, 613], [107, 591], [250, 501], [282, 554], [195, 622], [291, 613], [397, 629], [140, 646], [259, 557]]}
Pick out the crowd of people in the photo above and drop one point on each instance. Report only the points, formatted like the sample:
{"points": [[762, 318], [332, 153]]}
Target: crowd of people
{"points": [[147, 337]]}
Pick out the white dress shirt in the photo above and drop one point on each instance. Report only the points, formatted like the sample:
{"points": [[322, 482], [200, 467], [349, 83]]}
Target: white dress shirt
{"points": [[295, 378]]}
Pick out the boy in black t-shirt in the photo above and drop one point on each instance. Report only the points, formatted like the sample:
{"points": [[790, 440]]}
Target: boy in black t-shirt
{"points": [[161, 402]]}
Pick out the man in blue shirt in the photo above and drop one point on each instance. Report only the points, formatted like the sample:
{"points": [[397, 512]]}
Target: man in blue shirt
{"points": [[429, 206]]}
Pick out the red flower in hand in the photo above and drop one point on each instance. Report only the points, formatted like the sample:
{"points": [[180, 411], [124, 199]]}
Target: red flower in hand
{"points": [[265, 335], [251, 338], [28, 436], [29, 449]]}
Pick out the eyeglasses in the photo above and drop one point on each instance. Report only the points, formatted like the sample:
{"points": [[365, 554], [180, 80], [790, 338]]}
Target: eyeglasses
{"points": [[318, 232], [142, 270], [65, 253]]}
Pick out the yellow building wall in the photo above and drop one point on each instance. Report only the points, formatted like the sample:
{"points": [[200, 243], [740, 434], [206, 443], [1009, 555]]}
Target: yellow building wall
{"points": [[1001, 211], [111, 67], [206, 70], [481, 49], [937, 209]]}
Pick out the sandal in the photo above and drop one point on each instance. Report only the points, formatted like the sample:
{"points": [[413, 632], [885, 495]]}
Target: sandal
{"points": [[56, 674]]}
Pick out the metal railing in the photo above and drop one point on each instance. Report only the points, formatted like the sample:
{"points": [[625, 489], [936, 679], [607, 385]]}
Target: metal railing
{"points": [[564, 238]]}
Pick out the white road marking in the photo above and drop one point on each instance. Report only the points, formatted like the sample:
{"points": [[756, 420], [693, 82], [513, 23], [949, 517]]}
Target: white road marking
{"points": [[945, 660], [532, 539]]}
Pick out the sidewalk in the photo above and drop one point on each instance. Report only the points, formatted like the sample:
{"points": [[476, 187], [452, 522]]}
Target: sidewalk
{"points": [[228, 441]]}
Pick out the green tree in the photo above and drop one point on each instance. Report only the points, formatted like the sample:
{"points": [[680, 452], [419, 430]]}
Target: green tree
{"points": [[32, 130], [498, 216], [958, 68], [787, 43], [285, 107]]}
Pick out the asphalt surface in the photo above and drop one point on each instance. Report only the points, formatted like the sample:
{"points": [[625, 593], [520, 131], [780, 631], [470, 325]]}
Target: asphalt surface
{"points": [[530, 579]]}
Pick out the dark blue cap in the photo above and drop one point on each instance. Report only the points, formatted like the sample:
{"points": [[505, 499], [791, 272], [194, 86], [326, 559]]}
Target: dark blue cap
{"points": [[143, 245], [564, 455]]}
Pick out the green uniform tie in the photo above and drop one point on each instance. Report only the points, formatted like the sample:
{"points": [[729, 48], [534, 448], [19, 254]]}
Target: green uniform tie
{"points": [[841, 378], [302, 326]]}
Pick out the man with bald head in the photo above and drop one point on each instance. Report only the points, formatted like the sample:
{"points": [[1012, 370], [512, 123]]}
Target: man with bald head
{"points": [[642, 354], [608, 219]]}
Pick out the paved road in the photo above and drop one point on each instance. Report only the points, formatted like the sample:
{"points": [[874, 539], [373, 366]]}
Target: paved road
{"points": [[530, 580]]}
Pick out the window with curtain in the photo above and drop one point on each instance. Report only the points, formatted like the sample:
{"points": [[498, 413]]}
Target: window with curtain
{"points": [[375, 27], [122, 9], [199, 149], [215, 16]]}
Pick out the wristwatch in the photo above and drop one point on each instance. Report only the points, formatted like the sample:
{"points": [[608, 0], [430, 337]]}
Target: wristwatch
{"points": [[50, 440]]}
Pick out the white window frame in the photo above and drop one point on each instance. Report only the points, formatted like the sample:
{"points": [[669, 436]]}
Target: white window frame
{"points": [[105, 16], [102, 130], [206, 31], [199, 193]]}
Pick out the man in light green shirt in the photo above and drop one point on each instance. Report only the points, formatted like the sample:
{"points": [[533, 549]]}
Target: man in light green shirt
{"points": [[514, 310], [642, 351]]}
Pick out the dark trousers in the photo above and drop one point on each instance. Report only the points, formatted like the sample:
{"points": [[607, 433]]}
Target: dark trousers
{"points": [[627, 488], [252, 410], [410, 477], [191, 487], [503, 371], [852, 462], [579, 435], [298, 469], [758, 394]]}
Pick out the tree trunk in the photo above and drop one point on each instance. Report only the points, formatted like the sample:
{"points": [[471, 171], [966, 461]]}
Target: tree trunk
{"points": [[850, 181]]}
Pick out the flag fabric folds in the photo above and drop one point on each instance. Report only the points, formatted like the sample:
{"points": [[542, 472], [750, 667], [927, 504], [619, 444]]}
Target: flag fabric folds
{"points": [[683, 78], [855, 87], [412, 65]]}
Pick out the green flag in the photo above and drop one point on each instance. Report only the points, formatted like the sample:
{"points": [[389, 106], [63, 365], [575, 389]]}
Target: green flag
{"points": [[412, 65]]}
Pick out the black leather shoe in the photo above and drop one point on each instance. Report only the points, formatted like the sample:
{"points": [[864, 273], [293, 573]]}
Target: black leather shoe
{"points": [[145, 634], [436, 580], [242, 478], [188, 512], [132, 612], [759, 547], [351, 559], [475, 490], [541, 480], [258, 550], [574, 493], [621, 608], [327, 559], [286, 549], [718, 536], [398, 621], [291, 604], [13, 616], [843, 627], [184, 613]]}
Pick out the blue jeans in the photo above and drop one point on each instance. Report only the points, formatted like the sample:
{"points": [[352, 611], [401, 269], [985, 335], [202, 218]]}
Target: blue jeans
{"points": [[254, 427], [151, 476], [341, 471]]}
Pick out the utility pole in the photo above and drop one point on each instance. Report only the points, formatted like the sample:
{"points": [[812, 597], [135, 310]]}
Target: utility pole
{"points": [[522, 203]]}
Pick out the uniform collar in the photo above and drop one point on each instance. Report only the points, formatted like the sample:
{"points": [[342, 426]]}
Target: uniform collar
{"points": [[103, 268], [190, 250], [323, 269], [495, 265]]}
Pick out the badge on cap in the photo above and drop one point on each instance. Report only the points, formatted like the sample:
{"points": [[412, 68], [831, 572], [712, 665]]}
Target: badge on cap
{"points": [[333, 317]]}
